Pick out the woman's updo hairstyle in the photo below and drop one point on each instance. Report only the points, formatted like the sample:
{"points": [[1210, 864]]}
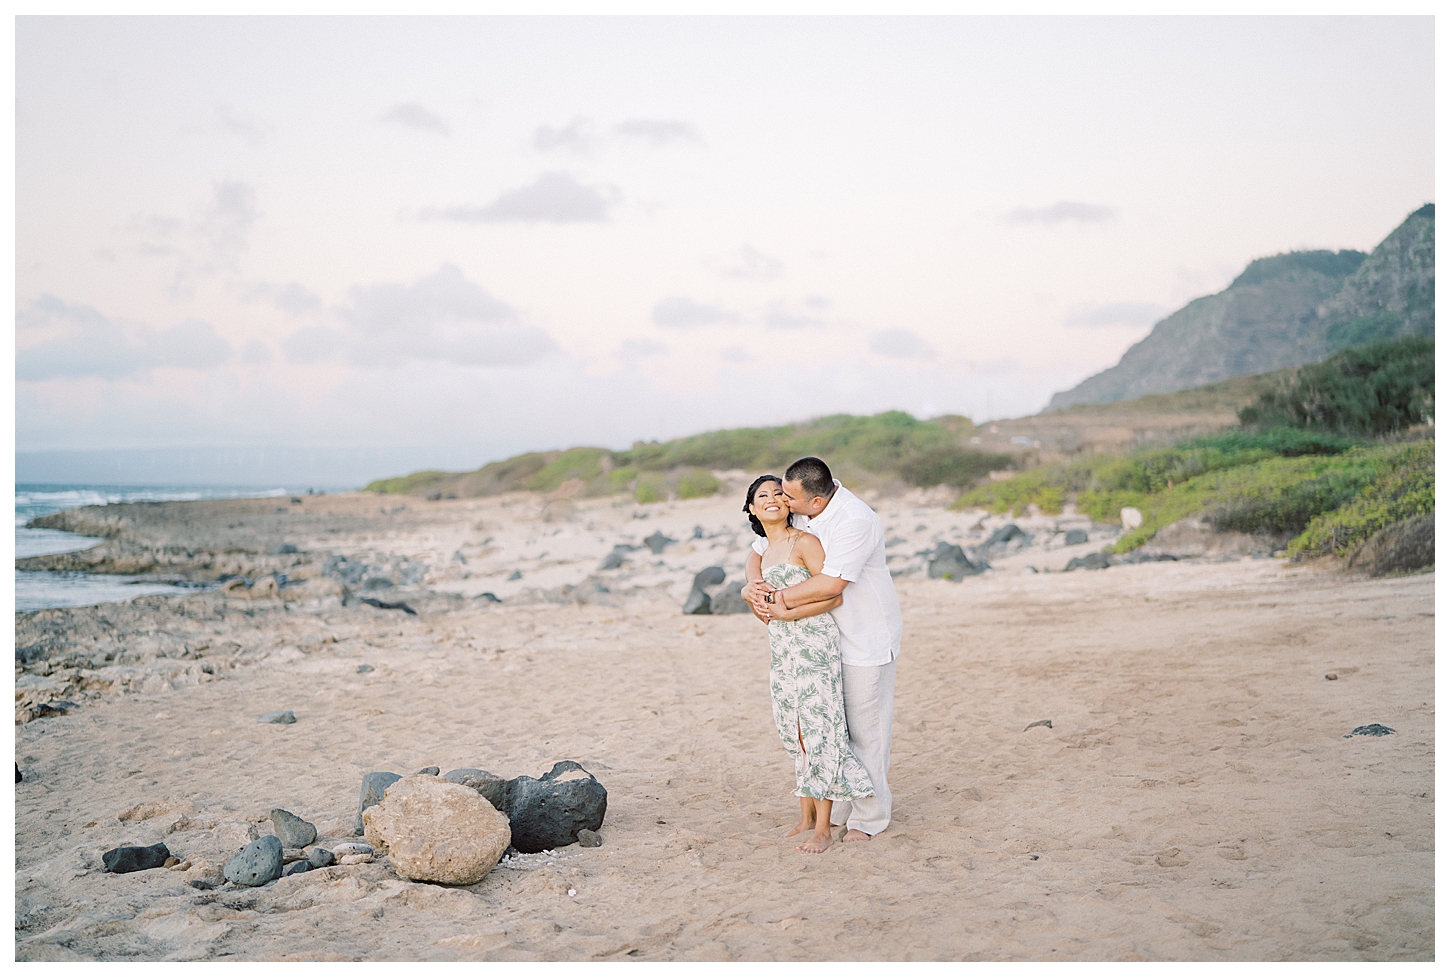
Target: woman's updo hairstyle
{"points": [[750, 497]]}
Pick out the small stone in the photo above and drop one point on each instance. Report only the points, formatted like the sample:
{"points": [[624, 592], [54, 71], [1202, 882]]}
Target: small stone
{"points": [[204, 874], [357, 859], [292, 830], [180, 866], [257, 864], [1331, 677], [297, 868], [321, 857], [284, 717], [491, 787], [171, 862], [353, 847], [516, 575], [434, 831], [134, 859], [364, 669], [657, 542], [489, 596], [430, 771], [1040, 722], [589, 839], [1074, 536], [290, 855], [373, 786], [1373, 729]]}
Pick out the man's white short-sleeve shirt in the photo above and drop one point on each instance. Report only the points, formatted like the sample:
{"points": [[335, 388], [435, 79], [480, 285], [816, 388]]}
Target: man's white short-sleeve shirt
{"points": [[855, 543]]}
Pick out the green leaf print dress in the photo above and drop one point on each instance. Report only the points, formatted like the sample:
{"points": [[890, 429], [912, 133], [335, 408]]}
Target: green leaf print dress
{"points": [[805, 692]]}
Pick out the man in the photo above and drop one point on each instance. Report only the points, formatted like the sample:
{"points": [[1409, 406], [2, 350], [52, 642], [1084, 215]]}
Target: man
{"points": [[869, 620]]}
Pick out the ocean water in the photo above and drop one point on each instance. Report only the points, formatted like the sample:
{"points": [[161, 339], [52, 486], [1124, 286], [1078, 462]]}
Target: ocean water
{"points": [[37, 590]]}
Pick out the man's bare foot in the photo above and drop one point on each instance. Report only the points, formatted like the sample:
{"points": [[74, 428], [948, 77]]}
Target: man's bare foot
{"points": [[806, 824], [855, 834], [817, 843]]}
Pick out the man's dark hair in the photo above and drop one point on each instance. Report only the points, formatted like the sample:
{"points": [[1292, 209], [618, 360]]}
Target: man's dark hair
{"points": [[814, 476]]}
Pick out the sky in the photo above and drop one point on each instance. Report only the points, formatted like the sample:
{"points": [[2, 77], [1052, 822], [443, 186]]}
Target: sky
{"points": [[402, 243]]}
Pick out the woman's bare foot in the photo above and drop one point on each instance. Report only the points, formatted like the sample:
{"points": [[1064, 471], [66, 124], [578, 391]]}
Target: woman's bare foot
{"points": [[855, 834], [817, 843], [806, 824]]}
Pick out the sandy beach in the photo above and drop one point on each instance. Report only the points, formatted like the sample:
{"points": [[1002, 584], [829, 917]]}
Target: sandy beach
{"points": [[1195, 797]]}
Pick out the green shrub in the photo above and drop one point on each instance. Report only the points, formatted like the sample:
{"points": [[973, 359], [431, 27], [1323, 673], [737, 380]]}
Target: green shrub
{"points": [[580, 463], [1374, 389], [416, 482], [697, 483], [650, 487], [950, 465], [1404, 486]]}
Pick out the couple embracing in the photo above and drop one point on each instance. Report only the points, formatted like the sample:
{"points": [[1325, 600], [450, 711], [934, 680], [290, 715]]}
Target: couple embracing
{"points": [[817, 577]]}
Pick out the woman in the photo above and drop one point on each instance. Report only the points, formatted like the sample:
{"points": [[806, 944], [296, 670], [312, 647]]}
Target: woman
{"points": [[805, 671]]}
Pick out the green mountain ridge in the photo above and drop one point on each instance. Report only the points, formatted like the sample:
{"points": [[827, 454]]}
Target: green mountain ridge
{"points": [[1282, 311]]}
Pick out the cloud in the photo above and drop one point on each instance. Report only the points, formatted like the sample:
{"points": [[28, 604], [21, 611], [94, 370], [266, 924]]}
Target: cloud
{"points": [[678, 312], [736, 354], [577, 137], [753, 265], [1061, 212], [778, 316], [658, 132], [442, 316], [256, 352], [553, 198], [1134, 314], [82, 342], [242, 124], [289, 296], [901, 344], [635, 349], [411, 115]]}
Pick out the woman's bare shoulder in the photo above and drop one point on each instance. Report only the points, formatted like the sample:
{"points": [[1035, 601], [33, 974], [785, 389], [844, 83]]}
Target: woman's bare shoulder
{"points": [[809, 544]]}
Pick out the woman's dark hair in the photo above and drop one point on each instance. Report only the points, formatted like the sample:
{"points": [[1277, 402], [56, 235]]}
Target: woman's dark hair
{"points": [[750, 497]]}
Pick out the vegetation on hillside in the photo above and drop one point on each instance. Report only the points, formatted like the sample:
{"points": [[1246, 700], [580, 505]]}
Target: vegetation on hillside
{"points": [[892, 445], [1312, 462], [1378, 388]]}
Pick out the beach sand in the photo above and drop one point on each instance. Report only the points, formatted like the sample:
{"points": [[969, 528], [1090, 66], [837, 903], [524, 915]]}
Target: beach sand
{"points": [[1195, 797]]}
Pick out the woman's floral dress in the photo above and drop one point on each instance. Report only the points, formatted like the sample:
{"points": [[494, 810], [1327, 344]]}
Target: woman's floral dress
{"points": [[805, 694]]}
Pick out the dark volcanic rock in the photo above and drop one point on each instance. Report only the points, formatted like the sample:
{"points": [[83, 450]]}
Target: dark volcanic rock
{"points": [[373, 785], [709, 577], [613, 561], [283, 717], [1373, 729], [1073, 537], [493, 787], [430, 771], [697, 603], [297, 868], [550, 812], [257, 864], [320, 858], [589, 839], [1008, 534], [727, 599], [133, 859], [489, 596], [948, 562], [657, 541], [291, 830], [1093, 561]]}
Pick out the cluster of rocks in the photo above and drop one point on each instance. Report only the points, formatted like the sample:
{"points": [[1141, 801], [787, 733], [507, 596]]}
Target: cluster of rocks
{"points": [[711, 594], [948, 561], [399, 572], [453, 828]]}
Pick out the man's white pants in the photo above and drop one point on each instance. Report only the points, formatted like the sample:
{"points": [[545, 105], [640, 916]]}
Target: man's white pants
{"points": [[869, 691]]}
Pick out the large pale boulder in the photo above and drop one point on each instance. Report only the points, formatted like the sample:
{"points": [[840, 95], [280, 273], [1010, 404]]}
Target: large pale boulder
{"points": [[435, 831]]}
